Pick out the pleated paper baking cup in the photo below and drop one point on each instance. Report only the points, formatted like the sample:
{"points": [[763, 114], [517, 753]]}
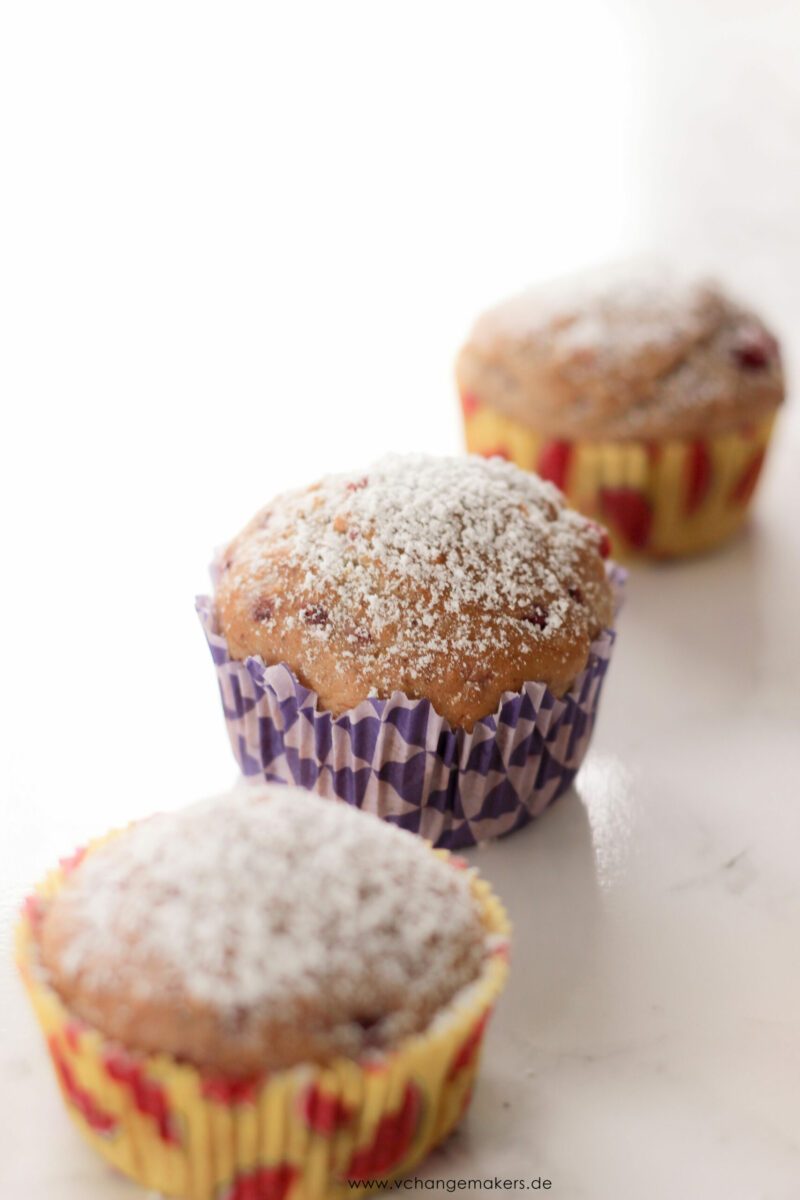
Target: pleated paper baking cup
{"points": [[399, 759], [307, 1133], [657, 499]]}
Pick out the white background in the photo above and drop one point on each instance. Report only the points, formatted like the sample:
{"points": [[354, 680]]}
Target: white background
{"points": [[239, 245]]}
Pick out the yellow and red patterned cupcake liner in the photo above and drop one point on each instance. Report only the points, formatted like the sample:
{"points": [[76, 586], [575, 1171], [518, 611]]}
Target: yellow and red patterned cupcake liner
{"points": [[307, 1133], [657, 499]]}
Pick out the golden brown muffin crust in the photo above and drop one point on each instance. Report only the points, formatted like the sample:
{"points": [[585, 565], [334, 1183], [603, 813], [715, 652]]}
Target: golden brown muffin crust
{"points": [[628, 356], [262, 929], [454, 580]]}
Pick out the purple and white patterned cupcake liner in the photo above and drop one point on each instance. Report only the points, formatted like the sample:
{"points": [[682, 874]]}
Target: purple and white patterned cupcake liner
{"points": [[399, 759]]}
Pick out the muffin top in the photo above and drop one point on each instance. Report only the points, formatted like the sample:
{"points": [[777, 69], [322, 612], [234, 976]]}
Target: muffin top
{"points": [[451, 579], [623, 356], [261, 929]]}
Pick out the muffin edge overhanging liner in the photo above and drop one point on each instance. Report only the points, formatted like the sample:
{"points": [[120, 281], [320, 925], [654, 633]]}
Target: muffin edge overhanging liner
{"points": [[401, 760], [306, 1133]]}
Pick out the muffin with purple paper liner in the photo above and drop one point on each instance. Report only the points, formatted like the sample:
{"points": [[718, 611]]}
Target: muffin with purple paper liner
{"points": [[426, 640]]}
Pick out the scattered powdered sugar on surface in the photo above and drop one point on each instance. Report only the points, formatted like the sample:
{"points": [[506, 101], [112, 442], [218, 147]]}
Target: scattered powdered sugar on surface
{"points": [[271, 899], [430, 557]]}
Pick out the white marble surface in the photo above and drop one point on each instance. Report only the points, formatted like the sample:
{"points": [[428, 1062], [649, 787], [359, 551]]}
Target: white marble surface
{"points": [[649, 1041], [648, 1046]]}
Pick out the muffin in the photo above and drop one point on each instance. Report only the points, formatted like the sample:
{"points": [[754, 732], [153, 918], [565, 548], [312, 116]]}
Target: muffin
{"points": [[263, 994], [649, 402], [425, 639]]}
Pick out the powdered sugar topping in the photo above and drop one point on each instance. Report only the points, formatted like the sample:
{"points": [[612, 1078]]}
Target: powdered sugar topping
{"points": [[272, 901], [612, 313], [435, 558]]}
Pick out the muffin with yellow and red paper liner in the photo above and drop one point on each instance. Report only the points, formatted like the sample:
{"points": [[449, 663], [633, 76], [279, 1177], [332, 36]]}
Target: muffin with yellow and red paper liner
{"points": [[265, 995], [649, 402]]}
